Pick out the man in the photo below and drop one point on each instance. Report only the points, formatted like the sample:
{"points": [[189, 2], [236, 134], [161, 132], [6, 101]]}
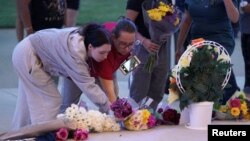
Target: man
{"points": [[123, 36]]}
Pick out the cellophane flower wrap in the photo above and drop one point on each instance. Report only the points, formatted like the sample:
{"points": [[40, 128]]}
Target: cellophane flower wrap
{"points": [[236, 108], [133, 116], [162, 19], [141, 119]]}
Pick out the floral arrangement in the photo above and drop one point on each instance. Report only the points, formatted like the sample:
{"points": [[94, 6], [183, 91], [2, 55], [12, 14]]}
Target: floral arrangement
{"points": [[237, 107], [162, 20], [201, 74], [91, 121], [78, 135], [133, 118], [140, 120], [167, 116], [121, 108]]}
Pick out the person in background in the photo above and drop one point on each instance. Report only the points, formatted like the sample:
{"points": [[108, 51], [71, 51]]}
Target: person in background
{"points": [[123, 36], [35, 15], [245, 41], [57, 52], [211, 20], [153, 83], [72, 12]]}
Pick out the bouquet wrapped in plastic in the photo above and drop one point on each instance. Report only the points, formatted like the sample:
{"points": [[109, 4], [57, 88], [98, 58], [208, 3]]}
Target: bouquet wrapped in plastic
{"points": [[236, 108], [133, 116], [162, 20]]}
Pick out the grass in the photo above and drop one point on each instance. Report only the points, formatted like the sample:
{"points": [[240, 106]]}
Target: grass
{"points": [[90, 11]]}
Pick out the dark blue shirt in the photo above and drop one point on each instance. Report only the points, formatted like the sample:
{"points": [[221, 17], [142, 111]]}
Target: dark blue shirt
{"points": [[210, 21]]}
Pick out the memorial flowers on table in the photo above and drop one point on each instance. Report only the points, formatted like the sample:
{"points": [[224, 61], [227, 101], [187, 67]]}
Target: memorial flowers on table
{"points": [[162, 20], [201, 74]]}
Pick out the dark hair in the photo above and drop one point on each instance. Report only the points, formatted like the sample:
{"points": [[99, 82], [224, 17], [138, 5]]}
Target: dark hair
{"points": [[124, 24], [95, 34]]}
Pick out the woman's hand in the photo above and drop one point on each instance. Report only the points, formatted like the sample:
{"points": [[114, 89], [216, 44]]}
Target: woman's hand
{"points": [[150, 46]]}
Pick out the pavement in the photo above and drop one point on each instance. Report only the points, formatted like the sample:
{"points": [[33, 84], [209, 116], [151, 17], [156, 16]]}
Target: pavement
{"points": [[9, 80]]}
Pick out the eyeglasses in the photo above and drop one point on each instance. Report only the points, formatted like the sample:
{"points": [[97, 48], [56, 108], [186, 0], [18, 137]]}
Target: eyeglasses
{"points": [[125, 45]]}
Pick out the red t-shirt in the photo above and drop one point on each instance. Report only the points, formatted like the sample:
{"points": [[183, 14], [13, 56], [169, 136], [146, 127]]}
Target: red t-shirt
{"points": [[106, 68]]}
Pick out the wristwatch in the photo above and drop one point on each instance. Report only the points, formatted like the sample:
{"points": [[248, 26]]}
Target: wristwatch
{"points": [[243, 3]]}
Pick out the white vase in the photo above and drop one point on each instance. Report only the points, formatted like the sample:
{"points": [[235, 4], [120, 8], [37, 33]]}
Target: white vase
{"points": [[200, 115]]}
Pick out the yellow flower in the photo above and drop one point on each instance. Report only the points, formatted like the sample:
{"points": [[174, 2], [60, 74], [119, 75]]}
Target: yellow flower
{"points": [[177, 21], [235, 111], [247, 116], [243, 106], [185, 62], [145, 116], [223, 108], [154, 14]]}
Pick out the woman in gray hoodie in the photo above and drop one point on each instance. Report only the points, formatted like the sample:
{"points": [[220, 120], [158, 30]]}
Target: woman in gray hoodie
{"points": [[57, 52]]}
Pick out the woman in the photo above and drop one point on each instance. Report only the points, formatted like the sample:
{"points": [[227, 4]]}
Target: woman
{"points": [[211, 20], [57, 52]]}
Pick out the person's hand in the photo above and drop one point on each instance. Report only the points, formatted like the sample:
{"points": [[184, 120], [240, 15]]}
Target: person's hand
{"points": [[150, 46], [29, 30], [105, 107]]}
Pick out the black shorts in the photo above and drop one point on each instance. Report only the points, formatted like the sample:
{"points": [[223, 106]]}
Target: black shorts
{"points": [[73, 4]]}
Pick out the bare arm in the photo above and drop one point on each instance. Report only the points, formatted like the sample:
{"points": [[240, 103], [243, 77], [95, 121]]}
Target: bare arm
{"points": [[232, 11], [184, 29], [147, 43], [108, 87], [23, 10]]}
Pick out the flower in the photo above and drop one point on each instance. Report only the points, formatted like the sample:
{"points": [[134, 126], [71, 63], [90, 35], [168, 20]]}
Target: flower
{"points": [[95, 121], [162, 20], [121, 108], [237, 107], [167, 116], [203, 76], [80, 135], [140, 120], [62, 134]]}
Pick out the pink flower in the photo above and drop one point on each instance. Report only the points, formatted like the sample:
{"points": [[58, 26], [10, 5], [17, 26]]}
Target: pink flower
{"points": [[151, 121], [234, 103], [62, 134], [80, 135]]}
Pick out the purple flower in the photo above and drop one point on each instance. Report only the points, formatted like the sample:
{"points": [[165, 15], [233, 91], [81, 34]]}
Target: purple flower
{"points": [[121, 108], [151, 121], [62, 134]]}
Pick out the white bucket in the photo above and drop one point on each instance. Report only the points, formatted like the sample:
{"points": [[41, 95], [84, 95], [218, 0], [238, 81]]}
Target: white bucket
{"points": [[184, 116], [200, 115]]}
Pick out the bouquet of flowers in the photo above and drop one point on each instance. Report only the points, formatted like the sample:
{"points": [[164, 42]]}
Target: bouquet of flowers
{"points": [[201, 74], [167, 116], [237, 107], [133, 117], [78, 135], [121, 108], [91, 121], [162, 19]]}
